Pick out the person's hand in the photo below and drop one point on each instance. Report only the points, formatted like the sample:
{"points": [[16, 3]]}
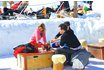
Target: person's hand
{"points": [[52, 41], [45, 42], [61, 46], [56, 44]]}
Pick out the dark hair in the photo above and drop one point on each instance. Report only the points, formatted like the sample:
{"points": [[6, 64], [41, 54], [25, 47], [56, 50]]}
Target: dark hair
{"points": [[67, 23], [63, 26]]}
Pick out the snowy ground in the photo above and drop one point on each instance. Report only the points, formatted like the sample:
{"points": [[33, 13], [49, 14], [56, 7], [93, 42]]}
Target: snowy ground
{"points": [[9, 63]]}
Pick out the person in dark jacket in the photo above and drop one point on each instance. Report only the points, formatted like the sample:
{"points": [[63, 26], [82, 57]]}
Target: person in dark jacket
{"points": [[69, 43], [67, 23], [57, 37]]}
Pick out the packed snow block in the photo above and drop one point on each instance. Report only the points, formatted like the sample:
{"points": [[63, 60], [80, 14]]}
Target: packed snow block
{"points": [[83, 43], [32, 61], [97, 50], [58, 61], [101, 40], [80, 59]]}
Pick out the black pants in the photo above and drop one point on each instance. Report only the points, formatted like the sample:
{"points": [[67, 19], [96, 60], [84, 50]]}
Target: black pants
{"points": [[66, 51], [11, 12]]}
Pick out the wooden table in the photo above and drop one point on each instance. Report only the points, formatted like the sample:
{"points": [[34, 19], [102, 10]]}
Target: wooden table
{"points": [[97, 50], [32, 61]]}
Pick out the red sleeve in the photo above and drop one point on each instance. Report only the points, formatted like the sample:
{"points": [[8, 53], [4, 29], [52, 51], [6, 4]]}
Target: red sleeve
{"points": [[38, 37], [15, 6], [0, 12], [33, 40]]}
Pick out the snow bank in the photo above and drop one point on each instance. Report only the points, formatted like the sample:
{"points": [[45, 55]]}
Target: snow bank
{"points": [[97, 6], [15, 32]]}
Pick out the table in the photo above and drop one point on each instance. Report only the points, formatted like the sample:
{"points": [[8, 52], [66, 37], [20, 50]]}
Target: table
{"points": [[31, 61], [97, 50]]}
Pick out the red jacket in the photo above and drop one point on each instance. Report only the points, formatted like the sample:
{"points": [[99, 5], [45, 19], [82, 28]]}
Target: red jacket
{"points": [[18, 50], [15, 6], [0, 11]]}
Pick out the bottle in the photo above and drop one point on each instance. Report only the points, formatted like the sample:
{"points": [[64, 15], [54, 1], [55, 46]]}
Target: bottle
{"points": [[48, 46]]}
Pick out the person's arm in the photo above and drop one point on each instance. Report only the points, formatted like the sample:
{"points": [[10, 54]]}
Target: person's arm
{"points": [[58, 38], [57, 35], [54, 40], [63, 40], [37, 35], [44, 37], [33, 40]]}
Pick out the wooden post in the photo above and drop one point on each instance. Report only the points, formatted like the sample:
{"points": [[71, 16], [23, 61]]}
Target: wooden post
{"points": [[4, 3], [58, 61], [58, 66], [10, 4], [75, 9]]}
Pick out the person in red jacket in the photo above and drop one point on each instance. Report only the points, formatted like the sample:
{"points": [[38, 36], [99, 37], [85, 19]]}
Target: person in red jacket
{"points": [[0, 11], [15, 6]]}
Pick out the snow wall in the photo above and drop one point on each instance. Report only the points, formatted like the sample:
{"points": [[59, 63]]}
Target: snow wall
{"points": [[16, 32]]}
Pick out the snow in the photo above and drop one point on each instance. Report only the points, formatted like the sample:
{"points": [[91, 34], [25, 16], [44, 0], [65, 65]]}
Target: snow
{"points": [[10, 63], [98, 7]]}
